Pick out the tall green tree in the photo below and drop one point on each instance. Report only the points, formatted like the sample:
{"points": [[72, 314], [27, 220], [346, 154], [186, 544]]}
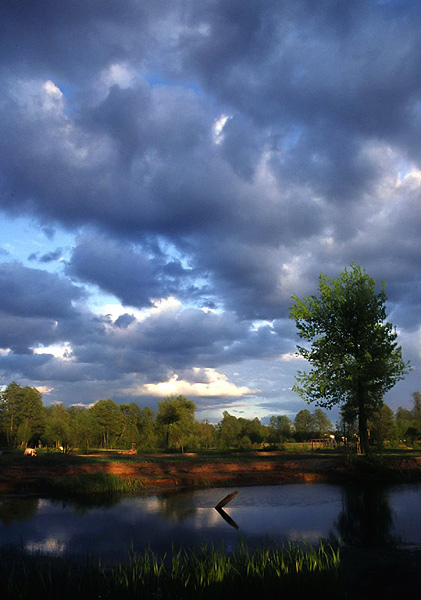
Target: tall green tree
{"points": [[84, 429], [229, 431], [176, 418], [280, 429], [404, 420], [57, 432], [382, 425], [23, 415], [130, 433], [320, 424], [353, 351], [109, 419], [302, 424], [148, 437]]}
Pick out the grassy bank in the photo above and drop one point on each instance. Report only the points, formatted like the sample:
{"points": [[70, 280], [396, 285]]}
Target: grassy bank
{"points": [[110, 472], [207, 572]]}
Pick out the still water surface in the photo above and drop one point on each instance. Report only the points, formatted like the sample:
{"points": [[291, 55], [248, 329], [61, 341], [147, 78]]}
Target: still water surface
{"points": [[367, 516]]}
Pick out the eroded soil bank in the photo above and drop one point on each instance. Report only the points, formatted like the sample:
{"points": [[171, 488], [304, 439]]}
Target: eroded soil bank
{"points": [[34, 475]]}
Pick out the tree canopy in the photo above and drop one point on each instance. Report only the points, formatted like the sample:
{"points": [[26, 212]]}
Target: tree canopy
{"points": [[353, 351]]}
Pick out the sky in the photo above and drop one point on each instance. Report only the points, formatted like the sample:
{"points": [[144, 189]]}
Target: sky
{"points": [[171, 173]]}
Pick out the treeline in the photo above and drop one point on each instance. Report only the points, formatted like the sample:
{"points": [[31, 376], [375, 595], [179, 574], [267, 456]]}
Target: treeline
{"points": [[25, 421]]}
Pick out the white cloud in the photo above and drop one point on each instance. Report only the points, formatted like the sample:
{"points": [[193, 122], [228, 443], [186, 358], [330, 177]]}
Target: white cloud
{"points": [[52, 97], [63, 352], [289, 356], [118, 74], [217, 384], [44, 389], [218, 128], [115, 310], [37, 97]]}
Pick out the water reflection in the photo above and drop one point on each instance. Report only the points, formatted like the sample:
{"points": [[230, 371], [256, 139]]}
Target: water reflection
{"points": [[366, 519], [84, 504], [226, 517], [365, 516], [173, 507], [17, 509]]}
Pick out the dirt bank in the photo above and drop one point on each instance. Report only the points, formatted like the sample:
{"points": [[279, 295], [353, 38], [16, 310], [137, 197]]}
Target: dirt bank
{"points": [[164, 472]]}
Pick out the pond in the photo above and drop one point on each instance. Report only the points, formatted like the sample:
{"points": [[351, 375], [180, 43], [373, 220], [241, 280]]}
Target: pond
{"points": [[362, 516]]}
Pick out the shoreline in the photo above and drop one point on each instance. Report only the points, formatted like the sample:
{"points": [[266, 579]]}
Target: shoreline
{"points": [[159, 472]]}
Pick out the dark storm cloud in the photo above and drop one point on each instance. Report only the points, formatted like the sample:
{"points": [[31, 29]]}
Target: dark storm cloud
{"points": [[134, 275], [223, 153], [35, 293]]}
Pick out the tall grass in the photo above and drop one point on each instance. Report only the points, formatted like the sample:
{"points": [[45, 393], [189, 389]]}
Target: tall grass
{"points": [[95, 484], [292, 570]]}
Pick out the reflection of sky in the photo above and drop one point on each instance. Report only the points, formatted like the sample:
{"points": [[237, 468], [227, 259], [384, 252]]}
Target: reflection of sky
{"points": [[405, 504], [264, 513]]}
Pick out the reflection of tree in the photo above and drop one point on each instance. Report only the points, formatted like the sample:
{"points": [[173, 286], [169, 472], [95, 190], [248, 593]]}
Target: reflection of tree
{"points": [[366, 519], [83, 504], [17, 509], [172, 506]]}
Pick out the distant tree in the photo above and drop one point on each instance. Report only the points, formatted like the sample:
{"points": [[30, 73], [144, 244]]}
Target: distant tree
{"points": [[229, 431], [129, 431], [280, 429], [408, 421], [302, 424], [204, 435], [403, 420], [382, 425], [320, 425], [416, 410], [148, 437], [354, 355], [84, 429], [108, 417], [252, 429], [23, 416], [175, 416], [57, 432]]}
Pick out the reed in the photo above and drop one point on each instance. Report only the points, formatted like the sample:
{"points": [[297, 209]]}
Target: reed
{"points": [[293, 570], [95, 483]]}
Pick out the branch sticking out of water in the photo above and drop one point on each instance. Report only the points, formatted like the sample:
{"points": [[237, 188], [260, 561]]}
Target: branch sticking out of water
{"points": [[225, 500]]}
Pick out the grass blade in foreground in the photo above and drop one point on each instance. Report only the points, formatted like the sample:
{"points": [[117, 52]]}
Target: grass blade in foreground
{"points": [[206, 572]]}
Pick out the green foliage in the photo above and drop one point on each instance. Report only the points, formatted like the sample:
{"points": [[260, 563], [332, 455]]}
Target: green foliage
{"points": [[280, 429], [302, 424], [382, 426], [57, 431], [176, 418], [320, 425], [295, 570], [148, 436], [353, 353], [239, 433], [109, 419], [84, 429], [229, 431], [22, 415], [96, 483]]}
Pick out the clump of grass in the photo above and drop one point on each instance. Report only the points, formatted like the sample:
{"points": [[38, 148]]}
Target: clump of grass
{"points": [[96, 484], [293, 570]]}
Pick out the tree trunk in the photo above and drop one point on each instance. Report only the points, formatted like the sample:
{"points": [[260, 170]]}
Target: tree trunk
{"points": [[362, 425]]}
